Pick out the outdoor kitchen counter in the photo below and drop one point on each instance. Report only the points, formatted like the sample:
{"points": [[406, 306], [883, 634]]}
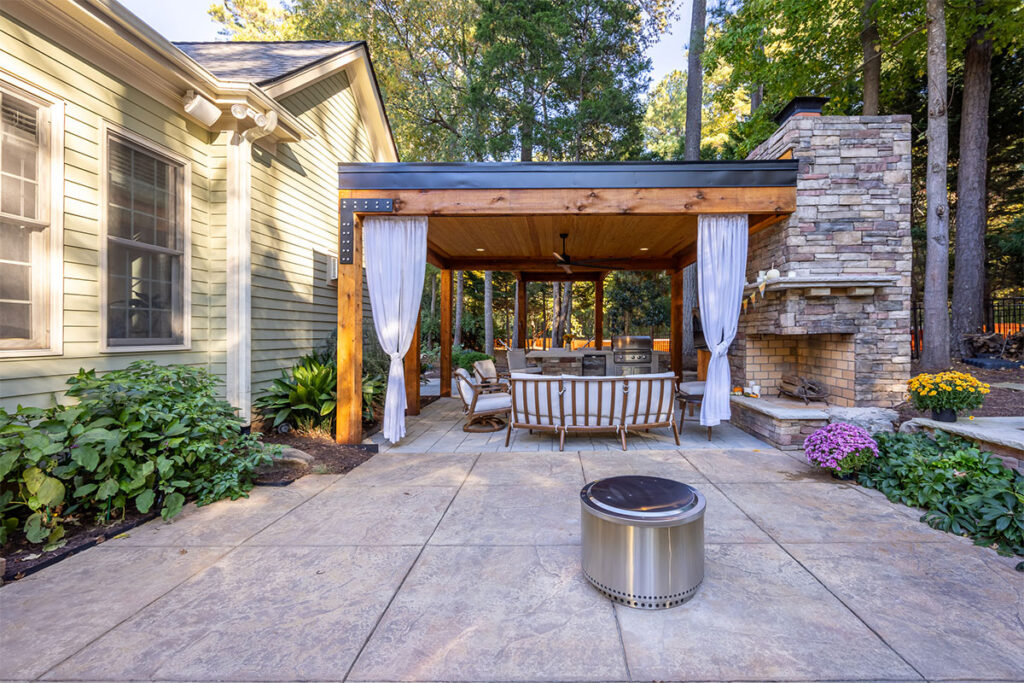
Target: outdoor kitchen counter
{"points": [[561, 361]]}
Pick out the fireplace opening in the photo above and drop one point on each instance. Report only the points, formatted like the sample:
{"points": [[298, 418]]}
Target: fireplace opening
{"points": [[827, 358]]}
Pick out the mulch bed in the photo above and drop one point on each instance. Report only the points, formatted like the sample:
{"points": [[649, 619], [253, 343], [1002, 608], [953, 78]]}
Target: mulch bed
{"points": [[328, 457], [24, 558], [999, 403]]}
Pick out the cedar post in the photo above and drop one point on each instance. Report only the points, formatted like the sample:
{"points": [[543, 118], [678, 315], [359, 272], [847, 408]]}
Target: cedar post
{"points": [[675, 342], [412, 372], [349, 428], [446, 332], [521, 327], [599, 313]]}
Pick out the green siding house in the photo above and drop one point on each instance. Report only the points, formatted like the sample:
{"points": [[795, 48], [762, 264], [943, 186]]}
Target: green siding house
{"points": [[176, 202]]}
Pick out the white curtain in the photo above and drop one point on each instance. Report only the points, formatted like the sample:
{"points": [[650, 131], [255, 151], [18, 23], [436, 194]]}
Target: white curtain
{"points": [[721, 270], [395, 249]]}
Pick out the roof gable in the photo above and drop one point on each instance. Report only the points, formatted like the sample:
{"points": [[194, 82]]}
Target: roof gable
{"points": [[262, 63]]}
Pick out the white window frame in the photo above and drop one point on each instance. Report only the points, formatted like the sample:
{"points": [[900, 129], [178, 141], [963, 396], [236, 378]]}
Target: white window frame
{"points": [[53, 164], [108, 129]]}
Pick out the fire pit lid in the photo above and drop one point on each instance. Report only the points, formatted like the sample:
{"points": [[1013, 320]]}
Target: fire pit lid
{"points": [[640, 497]]}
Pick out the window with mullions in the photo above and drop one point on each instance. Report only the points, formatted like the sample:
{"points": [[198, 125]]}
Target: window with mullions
{"points": [[145, 246], [24, 221]]}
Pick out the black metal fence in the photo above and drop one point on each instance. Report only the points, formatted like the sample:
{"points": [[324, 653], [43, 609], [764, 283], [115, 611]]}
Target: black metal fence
{"points": [[1004, 315]]}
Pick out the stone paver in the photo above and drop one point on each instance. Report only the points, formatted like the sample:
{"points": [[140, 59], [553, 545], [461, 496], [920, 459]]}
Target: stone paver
{"points": [[495, 613], [461, 562], [757, 615], [294, 614]]}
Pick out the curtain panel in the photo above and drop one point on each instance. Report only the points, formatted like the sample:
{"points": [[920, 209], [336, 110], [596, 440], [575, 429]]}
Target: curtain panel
{"points": [[395, 251], [721, 272]]}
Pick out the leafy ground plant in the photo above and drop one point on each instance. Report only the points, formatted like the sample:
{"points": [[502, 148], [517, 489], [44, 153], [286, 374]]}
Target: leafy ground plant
{"points": [[304, 397], [962, 490], [150, 436]]}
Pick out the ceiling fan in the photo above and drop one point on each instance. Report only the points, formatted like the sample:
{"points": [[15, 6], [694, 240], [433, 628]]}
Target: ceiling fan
{"points": [[566, 262]]}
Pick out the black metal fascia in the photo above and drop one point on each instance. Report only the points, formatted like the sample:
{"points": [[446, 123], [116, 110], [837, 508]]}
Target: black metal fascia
{"points": [[551, 175]]}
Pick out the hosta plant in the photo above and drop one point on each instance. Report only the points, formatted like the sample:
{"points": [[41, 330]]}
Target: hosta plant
{"points": [[305, 397], [954, 391], [840, 448]]}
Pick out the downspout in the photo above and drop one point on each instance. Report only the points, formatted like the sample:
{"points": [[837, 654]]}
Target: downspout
{"points": [[239, 255]]}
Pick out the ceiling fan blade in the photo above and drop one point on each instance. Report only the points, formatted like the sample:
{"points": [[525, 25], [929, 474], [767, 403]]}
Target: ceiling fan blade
{"points": [[561, 258], [566, 268]]}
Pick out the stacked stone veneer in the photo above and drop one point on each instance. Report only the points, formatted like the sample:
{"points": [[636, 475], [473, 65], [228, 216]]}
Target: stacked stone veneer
{"points": [[852, 219], [827, 357]]}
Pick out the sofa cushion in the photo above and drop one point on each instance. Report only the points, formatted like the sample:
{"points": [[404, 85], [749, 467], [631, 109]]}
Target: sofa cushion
{"points": [[691, 388], [536, 400], [592, 401], [650, 399]]}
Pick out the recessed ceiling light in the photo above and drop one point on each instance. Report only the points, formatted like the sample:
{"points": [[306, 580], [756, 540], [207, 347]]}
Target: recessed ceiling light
{"points": [[643, 248], [479, 249]]}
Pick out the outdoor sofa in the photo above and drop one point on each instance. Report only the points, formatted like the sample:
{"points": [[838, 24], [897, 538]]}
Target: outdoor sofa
{"points": [[572, 404]]}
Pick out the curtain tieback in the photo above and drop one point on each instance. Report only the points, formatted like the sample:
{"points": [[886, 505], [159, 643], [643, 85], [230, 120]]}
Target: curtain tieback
{"points": [[394, 355]]}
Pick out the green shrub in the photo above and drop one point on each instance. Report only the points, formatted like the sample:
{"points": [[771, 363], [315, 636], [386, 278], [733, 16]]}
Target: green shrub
{"points": [[464, 359], [963, 490], [304, 398], [374, 393], [147, 435]]}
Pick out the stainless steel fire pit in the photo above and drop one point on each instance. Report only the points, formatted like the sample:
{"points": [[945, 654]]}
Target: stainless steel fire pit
{"points": [[643, 540]]}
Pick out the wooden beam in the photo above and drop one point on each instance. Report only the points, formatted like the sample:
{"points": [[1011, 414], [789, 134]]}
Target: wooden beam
{"points": [[524, 314], [562, 276], [626, 201], [435, 259], [412, 373], [446, 332], [675, 342], [512, 265], [599, 313], [759, 223], [349, 417], [686, 256]]}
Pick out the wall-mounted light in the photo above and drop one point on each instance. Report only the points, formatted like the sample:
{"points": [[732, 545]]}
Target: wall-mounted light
{"points": [[201, 109], [265, 123]]}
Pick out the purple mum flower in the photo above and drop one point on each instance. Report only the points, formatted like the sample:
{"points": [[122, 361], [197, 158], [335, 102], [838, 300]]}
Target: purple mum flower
{"points": [[830, 445]]}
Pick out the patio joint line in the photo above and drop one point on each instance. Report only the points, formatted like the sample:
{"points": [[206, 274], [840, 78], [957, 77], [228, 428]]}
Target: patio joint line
{"points": [[408, 571], [188, 578], [825, 586]]}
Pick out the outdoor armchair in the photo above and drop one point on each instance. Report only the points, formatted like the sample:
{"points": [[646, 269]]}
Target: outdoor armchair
{"points": [[487, 376], [485, 411]]}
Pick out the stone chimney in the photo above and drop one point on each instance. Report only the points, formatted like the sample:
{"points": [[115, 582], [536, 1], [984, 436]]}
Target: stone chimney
{"points": [[840, 311]]}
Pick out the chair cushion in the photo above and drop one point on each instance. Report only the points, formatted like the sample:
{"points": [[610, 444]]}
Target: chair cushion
{"points": [[692, 388], [650, 399], [496, 401], [464, 383], [485, 369]]}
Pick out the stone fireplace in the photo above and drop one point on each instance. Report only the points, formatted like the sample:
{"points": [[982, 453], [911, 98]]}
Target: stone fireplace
{"points": [[828, 358], [840, 312]]}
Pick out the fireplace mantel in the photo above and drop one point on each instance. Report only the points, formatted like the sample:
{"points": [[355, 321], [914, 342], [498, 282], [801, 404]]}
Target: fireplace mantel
{"points": [[824, 285]]}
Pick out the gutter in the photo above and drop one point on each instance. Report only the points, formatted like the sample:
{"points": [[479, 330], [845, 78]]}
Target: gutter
{"points": [[223, 93]]}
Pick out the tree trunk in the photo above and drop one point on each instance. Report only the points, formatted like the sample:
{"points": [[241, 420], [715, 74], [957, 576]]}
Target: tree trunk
{"points": [[556, 304], [871, 51], [971, 194], [694, 82], [757, 92], [433, 303], [565, 323], [516, 341], [935, 351], [526, 140], [488, 313], [457, 336], [689, 303]]}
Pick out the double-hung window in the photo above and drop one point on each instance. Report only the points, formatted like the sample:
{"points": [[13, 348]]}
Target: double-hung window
{"points": [[26, 234], [146, 234]]}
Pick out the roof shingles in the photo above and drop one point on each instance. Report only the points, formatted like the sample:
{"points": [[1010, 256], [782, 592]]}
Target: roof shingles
{"points": [[261, 62]]}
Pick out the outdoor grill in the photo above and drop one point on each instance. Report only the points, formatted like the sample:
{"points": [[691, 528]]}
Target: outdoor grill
{"points": [[643, 540], [632, 354]]}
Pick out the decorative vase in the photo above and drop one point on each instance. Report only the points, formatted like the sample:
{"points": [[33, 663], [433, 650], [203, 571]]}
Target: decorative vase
{"points": [[944, 415]]}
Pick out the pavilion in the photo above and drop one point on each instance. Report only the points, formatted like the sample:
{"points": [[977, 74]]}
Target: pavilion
{"points": [[508, 217]]}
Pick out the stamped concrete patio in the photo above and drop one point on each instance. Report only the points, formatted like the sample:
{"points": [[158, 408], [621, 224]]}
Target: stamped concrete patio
{"points": [[451, 566]]}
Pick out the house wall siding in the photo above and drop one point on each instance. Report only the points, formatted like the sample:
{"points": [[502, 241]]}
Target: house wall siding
{"points": [[295, 227], [92, 96]]}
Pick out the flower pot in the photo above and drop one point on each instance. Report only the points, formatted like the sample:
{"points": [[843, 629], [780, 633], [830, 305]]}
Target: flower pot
{"points": [[944, 415], [844, 476]]}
